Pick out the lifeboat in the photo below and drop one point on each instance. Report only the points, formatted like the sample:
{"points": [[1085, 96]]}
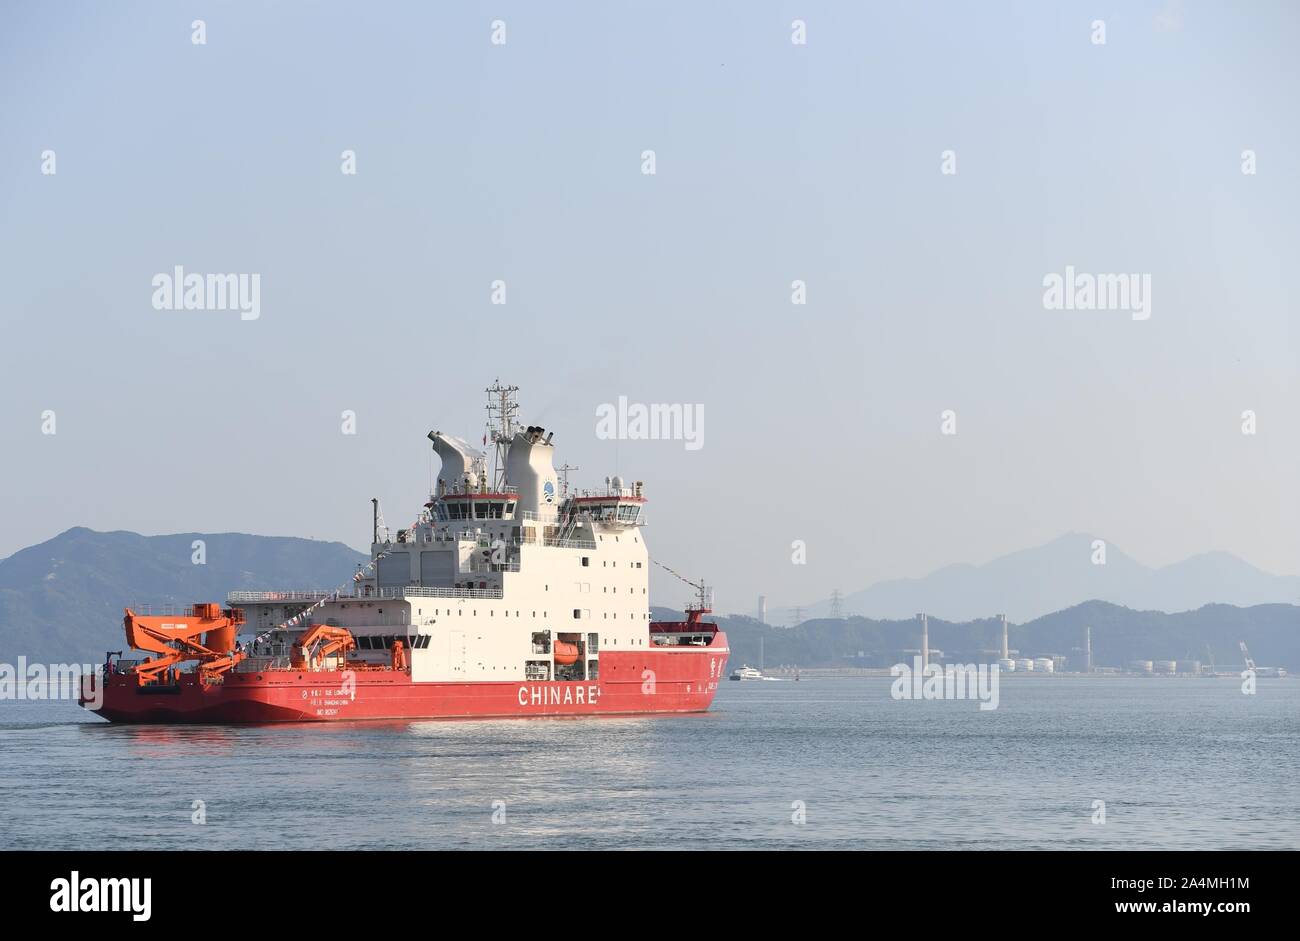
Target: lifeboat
{"points": [[566, 653]]}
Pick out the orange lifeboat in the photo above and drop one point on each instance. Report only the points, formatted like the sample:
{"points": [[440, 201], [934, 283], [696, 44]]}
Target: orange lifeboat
{"points": [[565, 653]]}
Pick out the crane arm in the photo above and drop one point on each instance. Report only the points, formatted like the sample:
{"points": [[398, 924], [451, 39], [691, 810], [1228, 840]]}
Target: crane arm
{"points": [[206, 633], [320, 642]]}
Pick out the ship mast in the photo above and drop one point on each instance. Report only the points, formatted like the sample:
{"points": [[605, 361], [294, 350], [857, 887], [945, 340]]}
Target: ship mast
{"points": [[564, 479], [503, 410]]}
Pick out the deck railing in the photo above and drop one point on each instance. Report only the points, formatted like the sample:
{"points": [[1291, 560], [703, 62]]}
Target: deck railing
{"points": [[413, 591]]}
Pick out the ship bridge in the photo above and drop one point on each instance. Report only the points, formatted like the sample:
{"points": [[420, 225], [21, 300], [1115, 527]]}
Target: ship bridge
{"points": [[617, 505], [465, 503]]}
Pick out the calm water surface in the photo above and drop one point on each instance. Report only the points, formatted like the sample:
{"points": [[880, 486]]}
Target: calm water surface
{"points": [[1181, 763]]}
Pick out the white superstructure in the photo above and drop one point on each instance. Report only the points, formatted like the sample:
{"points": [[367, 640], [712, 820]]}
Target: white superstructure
{"points": [[503, 576]]}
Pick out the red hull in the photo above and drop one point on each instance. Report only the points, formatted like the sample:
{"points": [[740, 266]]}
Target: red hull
{"points": [[680, 679]]}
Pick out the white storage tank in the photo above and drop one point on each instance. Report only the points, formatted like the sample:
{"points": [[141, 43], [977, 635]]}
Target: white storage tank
{"points": [[1025, 665], [1166, 666], [1007, 665], [1141, 666], [1044, 665]]}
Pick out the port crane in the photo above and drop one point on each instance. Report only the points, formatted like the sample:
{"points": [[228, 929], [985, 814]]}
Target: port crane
{"points": [[1260, 671]]}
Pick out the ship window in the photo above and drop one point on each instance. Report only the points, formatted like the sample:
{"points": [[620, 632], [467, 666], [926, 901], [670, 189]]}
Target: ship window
{"points": [[363, 643], [586, 560], [577, 612], [481, 511]]}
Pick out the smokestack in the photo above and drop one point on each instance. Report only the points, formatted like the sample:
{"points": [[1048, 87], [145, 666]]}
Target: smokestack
{"points": [[762, 608], [1087, 650], [925, 640], [1006, 651]]}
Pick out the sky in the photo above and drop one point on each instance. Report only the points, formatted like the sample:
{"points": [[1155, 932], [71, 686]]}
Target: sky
{"points": [[525, 162]]}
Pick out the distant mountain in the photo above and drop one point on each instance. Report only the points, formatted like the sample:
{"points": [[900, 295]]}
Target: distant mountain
{"points": [[1061, 574], [1119, 635], [61, 601]]}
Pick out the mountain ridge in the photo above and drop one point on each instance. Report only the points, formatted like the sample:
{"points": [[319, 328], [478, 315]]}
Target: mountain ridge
{"points": [[61, 601], [1060, 573], [1119, 636]]}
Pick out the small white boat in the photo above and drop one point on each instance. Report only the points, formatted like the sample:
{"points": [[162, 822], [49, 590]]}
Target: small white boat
{"points": [[747, 673]]}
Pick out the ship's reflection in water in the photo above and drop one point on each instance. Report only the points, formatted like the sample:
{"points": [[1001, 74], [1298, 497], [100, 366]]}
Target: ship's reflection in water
{"points": [[860, 769]]}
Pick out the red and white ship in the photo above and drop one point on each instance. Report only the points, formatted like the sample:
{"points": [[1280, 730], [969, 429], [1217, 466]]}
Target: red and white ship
{"points": [[508, 597]]}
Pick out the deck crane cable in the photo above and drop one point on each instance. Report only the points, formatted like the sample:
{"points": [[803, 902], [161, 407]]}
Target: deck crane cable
{"points": [[360, 574], [699, 586]]}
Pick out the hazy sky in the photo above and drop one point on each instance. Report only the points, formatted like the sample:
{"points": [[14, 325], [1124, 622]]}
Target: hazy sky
{"points": [[774, 162]]}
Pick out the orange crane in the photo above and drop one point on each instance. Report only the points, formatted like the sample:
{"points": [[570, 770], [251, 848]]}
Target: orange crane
{"points": [[206, 633], [318, 643]]}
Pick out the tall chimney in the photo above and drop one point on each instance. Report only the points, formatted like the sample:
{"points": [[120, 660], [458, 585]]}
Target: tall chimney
{"points": [[1087, 650], [1006, 651], [925, 640]]}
